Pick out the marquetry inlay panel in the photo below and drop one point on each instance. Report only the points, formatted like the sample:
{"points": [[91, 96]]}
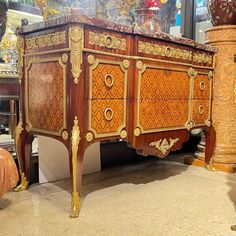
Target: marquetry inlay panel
{"points": [[45, 96], [46, 40], [200, 111], [164, 84], [156, 114], [202, 87], [108, 81], [107, 116]]}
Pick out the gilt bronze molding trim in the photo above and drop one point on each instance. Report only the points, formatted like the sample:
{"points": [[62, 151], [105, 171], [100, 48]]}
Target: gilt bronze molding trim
{"points": [[107, 41], [163, 145], [76, 34], [46, 40]]}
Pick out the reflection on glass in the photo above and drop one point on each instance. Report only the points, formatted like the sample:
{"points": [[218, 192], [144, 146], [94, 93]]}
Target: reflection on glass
{"points": [[164, 15], [169, 17], [152, 15], [202, 20]]}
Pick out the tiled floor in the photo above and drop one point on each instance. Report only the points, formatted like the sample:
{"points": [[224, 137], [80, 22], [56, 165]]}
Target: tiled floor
{"points": [[163, 198]]}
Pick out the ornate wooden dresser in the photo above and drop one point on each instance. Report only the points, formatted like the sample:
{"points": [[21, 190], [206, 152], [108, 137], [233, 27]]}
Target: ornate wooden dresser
{"points": [[84, 80]]}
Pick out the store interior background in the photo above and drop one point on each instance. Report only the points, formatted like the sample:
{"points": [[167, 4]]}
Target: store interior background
{"points": [[49, 157]]}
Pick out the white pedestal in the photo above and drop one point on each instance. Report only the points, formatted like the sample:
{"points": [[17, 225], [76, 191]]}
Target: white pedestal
{"points": [[53, 160]]}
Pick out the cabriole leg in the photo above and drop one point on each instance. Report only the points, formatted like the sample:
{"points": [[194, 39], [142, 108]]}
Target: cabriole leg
{"points": [[19, 145]]}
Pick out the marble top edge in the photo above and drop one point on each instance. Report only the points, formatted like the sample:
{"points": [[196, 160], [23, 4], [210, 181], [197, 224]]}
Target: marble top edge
{"points": [[83, 19]]}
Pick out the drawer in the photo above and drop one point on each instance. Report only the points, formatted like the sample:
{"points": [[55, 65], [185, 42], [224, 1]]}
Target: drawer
{"points": [[201, 111], [107, 78], [107, 41], [164, 84], [107, 117], [159, 114], [202, 87], [154, 48]]}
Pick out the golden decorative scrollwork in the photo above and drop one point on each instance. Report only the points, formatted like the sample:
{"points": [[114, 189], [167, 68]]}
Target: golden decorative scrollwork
{"points": [[108, 41], [192, 73], [23, 181], [202, 58], [189, 125], [91, 60], [46, 40], [75, 139], [123, 134], [163, 145], [162, 50], [126, 64], [137, 132], [64, 58], [45, 9], [76, 47], [89, 136], [64, 135], [20, 49], [139, 65], [28, 127]]}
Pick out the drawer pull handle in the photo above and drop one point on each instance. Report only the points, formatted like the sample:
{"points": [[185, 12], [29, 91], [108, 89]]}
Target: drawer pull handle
{"points": [[201, 110], [109, 81], [202, 85], [108, 114]]}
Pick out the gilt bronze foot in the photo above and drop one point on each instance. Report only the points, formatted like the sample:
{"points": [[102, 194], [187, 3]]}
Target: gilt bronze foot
{"points": [[75, 204], [23, 183]]}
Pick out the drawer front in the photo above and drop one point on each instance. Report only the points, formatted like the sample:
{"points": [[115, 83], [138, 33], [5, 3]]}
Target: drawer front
{"points": [[107, 78], [107, 117], [158, 49], [201, 111], [158, 114], [107, 41], [156, 83], [202, 87]]}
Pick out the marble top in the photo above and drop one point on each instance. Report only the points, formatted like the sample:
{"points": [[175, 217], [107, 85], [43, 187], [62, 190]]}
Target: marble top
{"points": [[76, 16]]}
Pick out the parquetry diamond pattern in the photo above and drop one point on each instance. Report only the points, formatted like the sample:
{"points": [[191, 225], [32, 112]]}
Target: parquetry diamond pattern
{"points": [[156, 114], [100, 90], [163, 84], [200, 118], [99, 123], [45, 81], [198, 93]]}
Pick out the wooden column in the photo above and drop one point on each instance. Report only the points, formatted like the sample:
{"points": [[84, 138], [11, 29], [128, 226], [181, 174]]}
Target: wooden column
{"points": [[224, 100]]}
